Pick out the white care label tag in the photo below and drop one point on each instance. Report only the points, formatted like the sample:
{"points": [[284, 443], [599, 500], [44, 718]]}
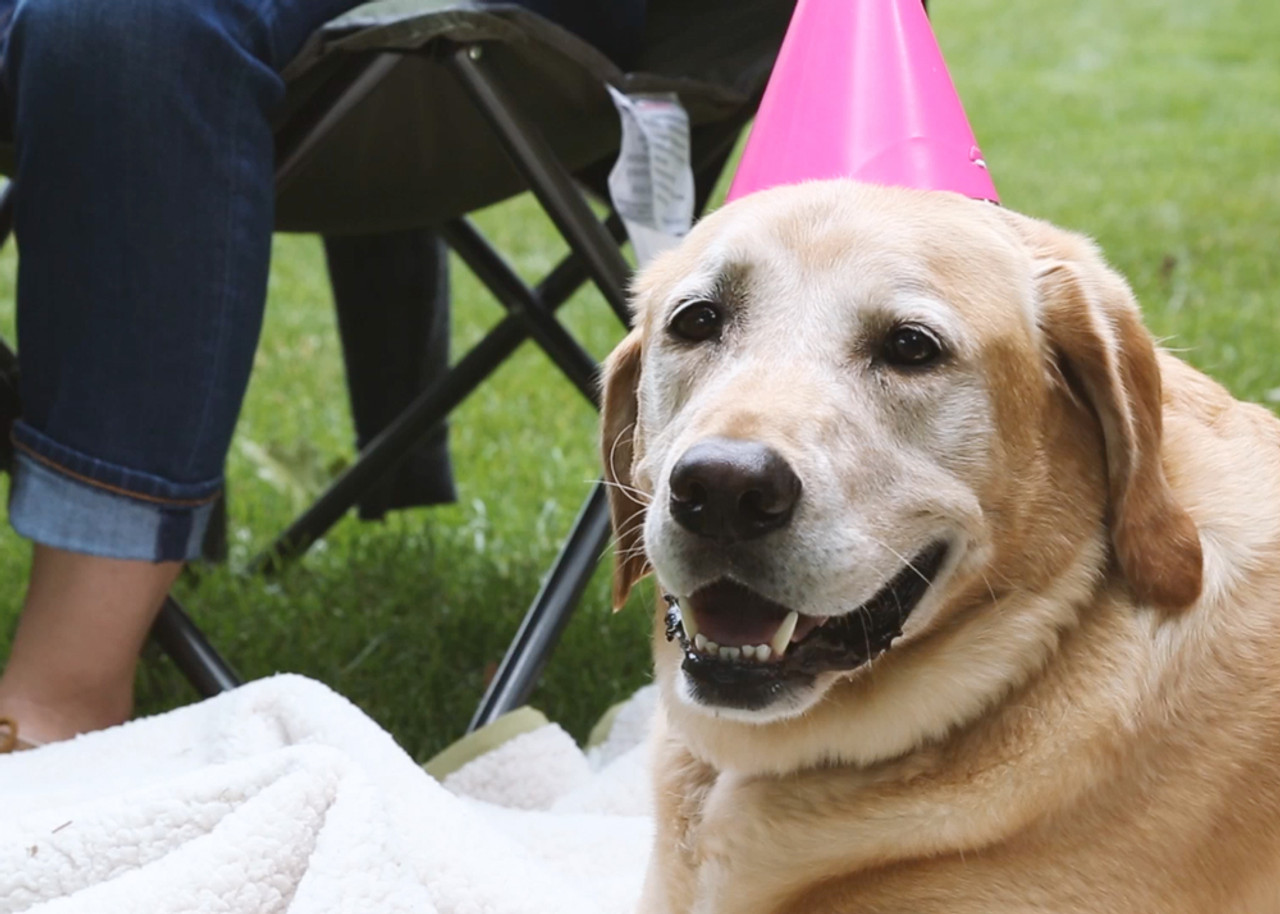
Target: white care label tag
{"points": [[652, 181]]}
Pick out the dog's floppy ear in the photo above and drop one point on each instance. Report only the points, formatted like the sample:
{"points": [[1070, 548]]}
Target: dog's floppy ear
{"points": [[618, 449], [1092, 322]]}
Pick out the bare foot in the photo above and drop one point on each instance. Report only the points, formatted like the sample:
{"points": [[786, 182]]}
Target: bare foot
{"points": [[76, 648]]}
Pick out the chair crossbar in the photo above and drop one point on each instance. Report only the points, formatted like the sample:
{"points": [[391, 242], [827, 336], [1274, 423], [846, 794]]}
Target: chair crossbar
{"points": [[548, 179], [497, 275], [202, 665], [422, 417]]}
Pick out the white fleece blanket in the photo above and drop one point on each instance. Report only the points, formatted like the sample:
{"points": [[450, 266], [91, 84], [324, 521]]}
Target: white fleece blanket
{"points": [[283, 796]]}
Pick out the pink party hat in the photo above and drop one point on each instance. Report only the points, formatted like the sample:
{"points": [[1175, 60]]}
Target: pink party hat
{"points": [[860, 90]]}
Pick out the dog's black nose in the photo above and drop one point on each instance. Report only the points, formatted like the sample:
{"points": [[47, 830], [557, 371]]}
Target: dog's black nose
{"points": [[732, 490]]}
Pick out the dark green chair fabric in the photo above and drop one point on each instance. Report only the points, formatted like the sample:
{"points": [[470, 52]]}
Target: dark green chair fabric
{"points": [[416, 152]]}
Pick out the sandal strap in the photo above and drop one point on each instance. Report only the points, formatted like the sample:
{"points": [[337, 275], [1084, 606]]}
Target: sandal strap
{"points": [[10, 741], [8, 735]]}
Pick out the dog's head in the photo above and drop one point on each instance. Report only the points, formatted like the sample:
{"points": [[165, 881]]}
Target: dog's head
{"points": [[854, 429]]}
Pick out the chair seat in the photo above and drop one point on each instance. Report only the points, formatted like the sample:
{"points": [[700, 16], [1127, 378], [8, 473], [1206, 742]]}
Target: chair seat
{"points": [[416, 152]]}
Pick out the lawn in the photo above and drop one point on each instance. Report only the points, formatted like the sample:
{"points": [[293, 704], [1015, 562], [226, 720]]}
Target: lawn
{"points": [[1154, 126]]}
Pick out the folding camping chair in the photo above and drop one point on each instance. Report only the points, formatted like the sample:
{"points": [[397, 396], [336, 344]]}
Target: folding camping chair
{"points": [[387, 109]]}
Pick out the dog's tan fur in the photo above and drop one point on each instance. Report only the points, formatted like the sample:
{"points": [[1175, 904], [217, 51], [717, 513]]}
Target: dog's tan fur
{"points": [[1084, 713]]}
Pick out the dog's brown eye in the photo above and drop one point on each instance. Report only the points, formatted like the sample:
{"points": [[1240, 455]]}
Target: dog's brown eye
{"points": [[696, 322], [911, 346]]}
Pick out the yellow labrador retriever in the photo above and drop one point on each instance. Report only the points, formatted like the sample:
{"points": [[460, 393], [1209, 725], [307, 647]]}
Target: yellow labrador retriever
{"points": [[972, 595]]}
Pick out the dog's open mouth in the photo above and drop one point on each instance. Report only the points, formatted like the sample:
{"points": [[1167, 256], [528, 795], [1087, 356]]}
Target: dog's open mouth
{"points": [[742, 650]]}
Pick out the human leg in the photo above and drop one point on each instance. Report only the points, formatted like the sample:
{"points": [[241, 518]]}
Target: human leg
{"points": [[143, 219], [74, 653]]}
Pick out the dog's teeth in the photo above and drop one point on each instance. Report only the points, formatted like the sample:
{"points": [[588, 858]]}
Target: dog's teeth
{"points": [[730, 653], [700, 641], [711, 647], [749, 652], [782, 637], [762, 652], [690, 624]]}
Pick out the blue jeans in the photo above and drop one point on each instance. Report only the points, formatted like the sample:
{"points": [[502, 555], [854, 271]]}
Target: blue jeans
{"points": [[144, 211]]}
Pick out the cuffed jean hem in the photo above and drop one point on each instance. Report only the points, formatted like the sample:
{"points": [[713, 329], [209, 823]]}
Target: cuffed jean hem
{"points": [[64, 499]]}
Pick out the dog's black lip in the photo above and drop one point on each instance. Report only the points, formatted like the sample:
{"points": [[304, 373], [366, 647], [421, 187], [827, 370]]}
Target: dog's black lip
{"points": [[842, 644]]}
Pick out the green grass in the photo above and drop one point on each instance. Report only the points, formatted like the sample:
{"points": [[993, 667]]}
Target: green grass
{"points": [[1154, 126]]}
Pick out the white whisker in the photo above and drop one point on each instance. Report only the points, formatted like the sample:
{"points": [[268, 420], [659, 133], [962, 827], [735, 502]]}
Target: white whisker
{"points": [[611, 463], [902, 558], [639, 496]]}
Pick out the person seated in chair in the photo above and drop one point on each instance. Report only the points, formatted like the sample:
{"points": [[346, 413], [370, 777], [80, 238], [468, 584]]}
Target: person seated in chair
{"points": [[143, 214]]}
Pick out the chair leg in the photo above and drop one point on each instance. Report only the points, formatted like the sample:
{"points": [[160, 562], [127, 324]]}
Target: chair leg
{"points": [[362, 76], [6, 212], [549, 614], [191, 652], [549, 180]]}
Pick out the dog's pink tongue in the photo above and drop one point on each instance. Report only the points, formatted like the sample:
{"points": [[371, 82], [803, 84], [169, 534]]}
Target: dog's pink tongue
{"points": [[732, 615]]}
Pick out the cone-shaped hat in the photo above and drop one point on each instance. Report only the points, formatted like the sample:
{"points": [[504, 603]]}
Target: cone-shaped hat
{"points": [[860, 90]]}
